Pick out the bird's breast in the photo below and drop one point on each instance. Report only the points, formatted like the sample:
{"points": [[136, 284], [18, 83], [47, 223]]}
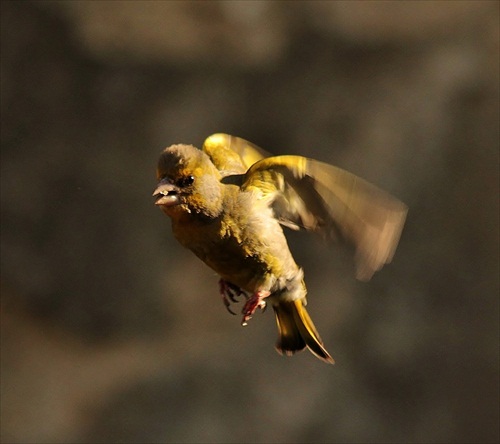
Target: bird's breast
{"points": [[244, 247]]}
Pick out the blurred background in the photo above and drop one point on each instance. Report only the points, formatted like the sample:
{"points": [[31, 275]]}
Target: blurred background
{"points": [[111, 332]]}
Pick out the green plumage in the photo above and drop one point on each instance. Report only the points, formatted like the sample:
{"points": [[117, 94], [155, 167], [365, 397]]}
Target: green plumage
{"points": [[228, 203]]}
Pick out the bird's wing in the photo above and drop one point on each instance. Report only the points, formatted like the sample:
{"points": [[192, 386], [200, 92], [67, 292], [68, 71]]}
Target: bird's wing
{"points": [[231, 154], [319, 197]]}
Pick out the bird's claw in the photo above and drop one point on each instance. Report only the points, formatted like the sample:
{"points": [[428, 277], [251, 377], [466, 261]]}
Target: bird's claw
{"points": [[227, 304], [255, 301], [229, 292]]}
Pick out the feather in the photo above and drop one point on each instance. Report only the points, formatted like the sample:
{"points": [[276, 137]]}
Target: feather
{"points": [[335, 203]]}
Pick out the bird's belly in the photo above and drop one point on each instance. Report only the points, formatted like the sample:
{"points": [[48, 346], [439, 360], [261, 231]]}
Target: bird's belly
{"points": [[236, 264], [248, 265]]}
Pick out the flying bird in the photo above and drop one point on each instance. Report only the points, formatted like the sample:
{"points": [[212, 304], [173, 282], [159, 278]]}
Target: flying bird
{"points": [[228, 203]]}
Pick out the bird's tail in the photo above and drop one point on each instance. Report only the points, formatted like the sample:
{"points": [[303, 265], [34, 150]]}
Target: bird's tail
{"points": [[296, 330]]}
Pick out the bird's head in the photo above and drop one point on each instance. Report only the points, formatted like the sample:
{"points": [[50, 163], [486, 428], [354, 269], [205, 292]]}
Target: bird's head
{"points": [[188, 183]]}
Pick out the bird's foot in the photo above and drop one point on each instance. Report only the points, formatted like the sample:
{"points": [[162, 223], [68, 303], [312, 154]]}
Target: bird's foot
{"points": [[229, 292], [255, 301]]}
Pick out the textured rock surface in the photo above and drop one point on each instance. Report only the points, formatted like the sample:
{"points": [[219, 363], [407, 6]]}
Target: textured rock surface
{"points": [[112, 333]]}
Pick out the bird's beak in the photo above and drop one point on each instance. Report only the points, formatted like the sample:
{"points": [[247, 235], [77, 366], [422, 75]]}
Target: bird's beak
{"points": [[166, 194]]}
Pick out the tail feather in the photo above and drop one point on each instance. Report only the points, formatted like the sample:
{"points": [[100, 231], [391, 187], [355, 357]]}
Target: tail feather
{"points": [[297, 331]]}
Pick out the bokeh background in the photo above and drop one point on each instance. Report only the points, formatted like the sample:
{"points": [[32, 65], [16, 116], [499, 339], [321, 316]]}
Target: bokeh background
{"points": [[111, 332]]}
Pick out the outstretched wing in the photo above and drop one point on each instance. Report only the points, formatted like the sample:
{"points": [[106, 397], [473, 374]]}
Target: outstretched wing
{"points": [[231, 154], [309, 194]]}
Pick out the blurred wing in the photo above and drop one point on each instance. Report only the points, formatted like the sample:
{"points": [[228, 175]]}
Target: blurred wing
{"points": [[319, 197], [231, 154]]}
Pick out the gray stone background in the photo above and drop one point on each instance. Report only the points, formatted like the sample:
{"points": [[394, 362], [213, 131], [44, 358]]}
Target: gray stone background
{"points": [[111, 332]]}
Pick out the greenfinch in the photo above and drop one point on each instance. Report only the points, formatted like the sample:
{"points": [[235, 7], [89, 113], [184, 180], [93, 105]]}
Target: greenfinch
{"points": [[228, 202]]}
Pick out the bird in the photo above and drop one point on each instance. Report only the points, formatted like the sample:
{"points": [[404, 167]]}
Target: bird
{"points": [[230, 200]]}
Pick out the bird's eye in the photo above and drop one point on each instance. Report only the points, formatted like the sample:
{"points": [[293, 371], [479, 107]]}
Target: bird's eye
{"points": [[185, 181]]}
